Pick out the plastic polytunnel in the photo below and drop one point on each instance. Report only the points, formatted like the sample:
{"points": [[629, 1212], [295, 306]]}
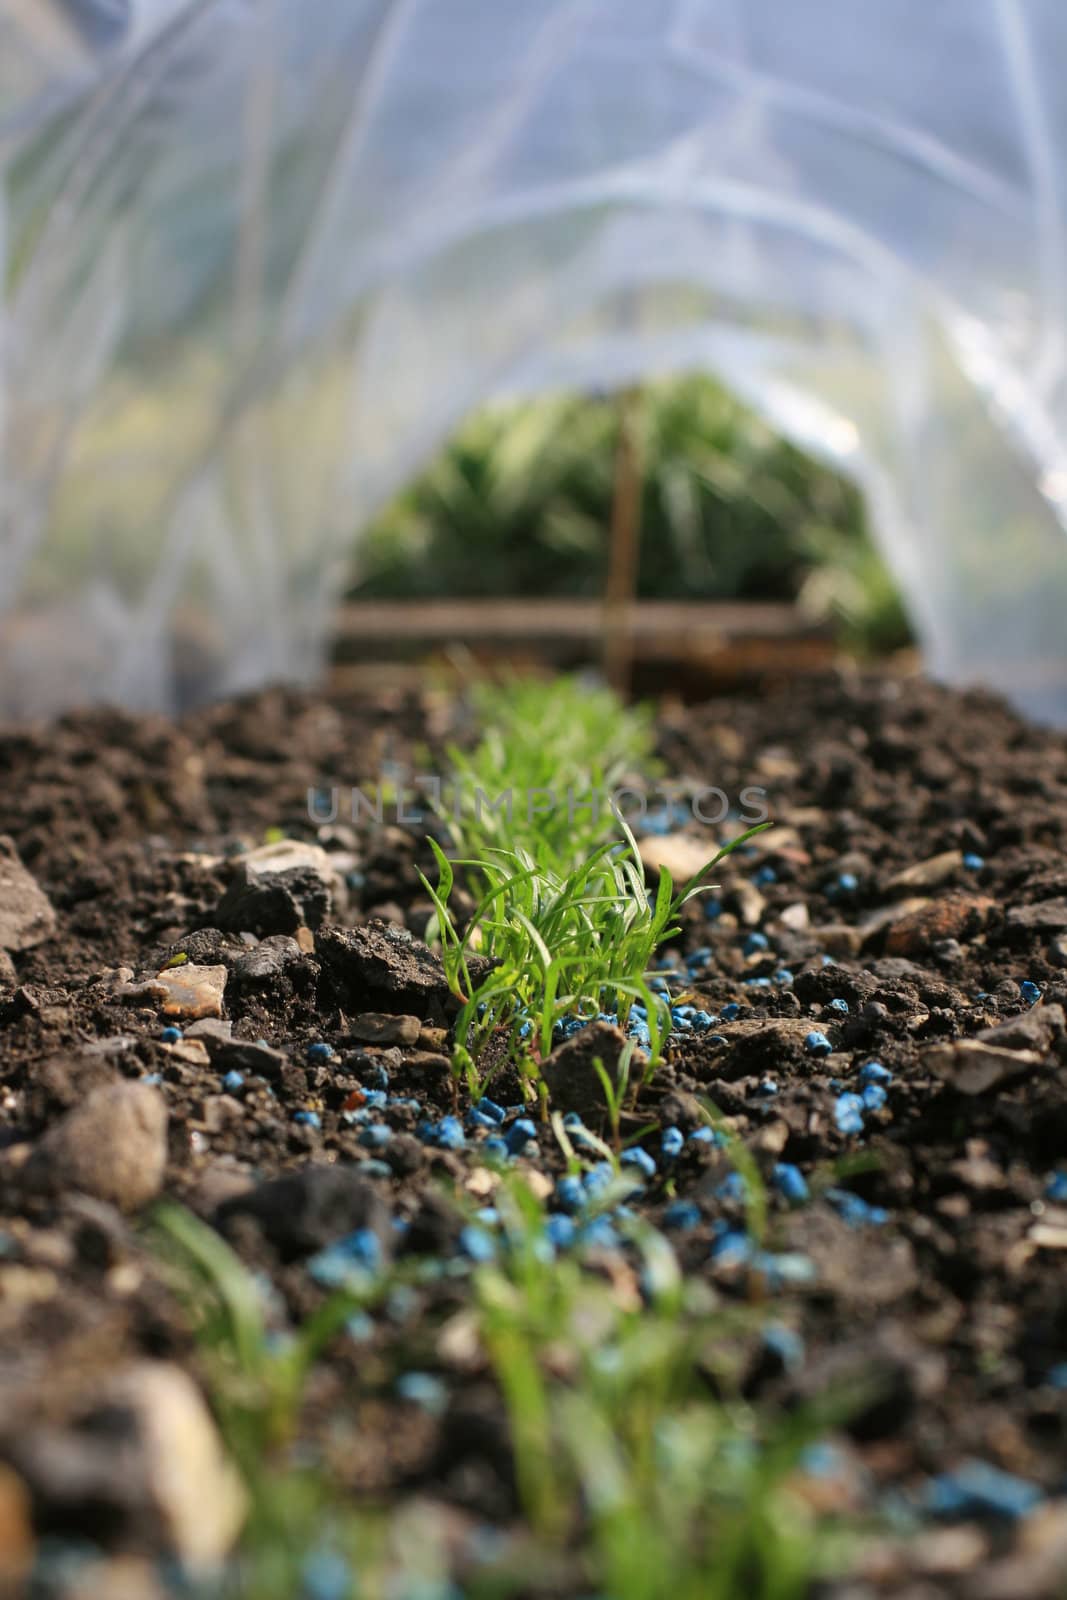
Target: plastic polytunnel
{"points": [[261, 256]]}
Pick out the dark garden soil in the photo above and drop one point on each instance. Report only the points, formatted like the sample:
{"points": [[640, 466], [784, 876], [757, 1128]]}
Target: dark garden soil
{"points": [[917, 873]]}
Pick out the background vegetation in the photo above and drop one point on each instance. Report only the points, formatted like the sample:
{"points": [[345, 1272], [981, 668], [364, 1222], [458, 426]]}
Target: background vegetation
{"points": [[520, 500]]}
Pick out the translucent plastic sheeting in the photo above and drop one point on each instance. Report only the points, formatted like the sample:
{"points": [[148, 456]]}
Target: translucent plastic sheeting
{"points": [[263, 255]]}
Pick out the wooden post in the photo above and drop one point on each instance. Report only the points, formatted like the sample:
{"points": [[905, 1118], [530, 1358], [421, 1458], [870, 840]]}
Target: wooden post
{"points": [[624, 544]]}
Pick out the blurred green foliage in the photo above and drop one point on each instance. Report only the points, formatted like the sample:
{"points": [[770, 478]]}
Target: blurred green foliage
{"points": [[520, 500]]}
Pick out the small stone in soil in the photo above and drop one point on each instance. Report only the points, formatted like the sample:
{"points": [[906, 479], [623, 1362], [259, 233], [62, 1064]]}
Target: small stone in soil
{"points": [[382, 966], [26, 914], [266, 903], [953, 916], [304, 1211], [929, 874], [251, 1057], [1035, 1029], [192, 991], [113, 1146], [1047, 915], [973, 1067], [571, 1076], [268, 964], [147, 1449], [375, 1027]]}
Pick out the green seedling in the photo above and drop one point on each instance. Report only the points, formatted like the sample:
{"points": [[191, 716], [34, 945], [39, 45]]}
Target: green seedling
{"points": [[563, 911], [630, 1471], [256, 1376], [615, 1091], [259, 1374], [621, 1452], [562, 945], [564, 738]]}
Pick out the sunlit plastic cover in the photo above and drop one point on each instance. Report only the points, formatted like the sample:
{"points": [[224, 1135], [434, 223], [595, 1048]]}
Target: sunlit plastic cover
{"points": [[262, 255]]}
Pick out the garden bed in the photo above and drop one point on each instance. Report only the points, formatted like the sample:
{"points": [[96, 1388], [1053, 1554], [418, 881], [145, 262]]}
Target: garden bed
{"points": [[880, 1271]]}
